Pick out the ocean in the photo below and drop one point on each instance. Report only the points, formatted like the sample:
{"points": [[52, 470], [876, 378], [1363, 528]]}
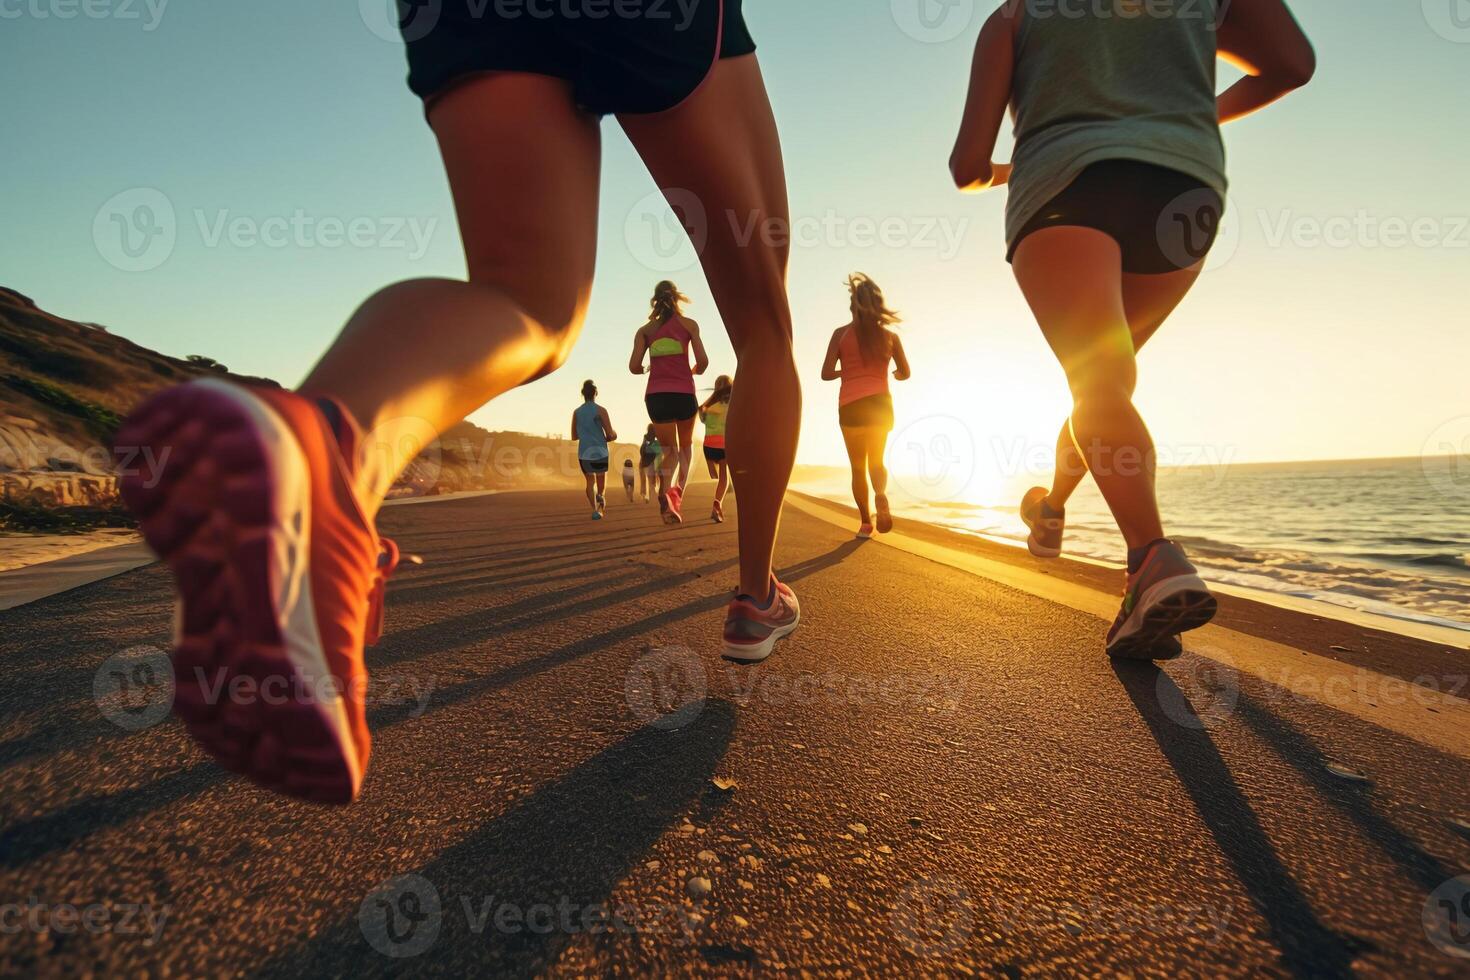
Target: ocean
{"points": [[1387, 537]]}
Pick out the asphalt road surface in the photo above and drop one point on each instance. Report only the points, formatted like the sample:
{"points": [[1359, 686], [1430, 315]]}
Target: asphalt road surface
{"points": [[936, 775]]}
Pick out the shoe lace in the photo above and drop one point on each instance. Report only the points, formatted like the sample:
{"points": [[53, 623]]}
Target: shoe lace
{"points": [[389, 559]]}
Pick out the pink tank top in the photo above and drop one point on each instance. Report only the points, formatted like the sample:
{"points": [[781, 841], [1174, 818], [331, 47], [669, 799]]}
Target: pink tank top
{"points": [[669, 370], [859, 378]]}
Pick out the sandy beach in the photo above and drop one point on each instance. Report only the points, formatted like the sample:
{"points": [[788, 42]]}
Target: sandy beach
{"points": [[25, 550]]}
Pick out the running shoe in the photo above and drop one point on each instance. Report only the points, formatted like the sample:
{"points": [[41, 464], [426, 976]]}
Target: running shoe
{"points": [[717, 513], [1164, 598], [601, 502], [751, 632], [1045, 540], [865, 531], [885, 518], [671, 510], [280, 578], [597, 515]]}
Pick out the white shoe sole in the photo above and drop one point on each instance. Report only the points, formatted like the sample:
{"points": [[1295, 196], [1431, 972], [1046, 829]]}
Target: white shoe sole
{"points": [[754, 654]]}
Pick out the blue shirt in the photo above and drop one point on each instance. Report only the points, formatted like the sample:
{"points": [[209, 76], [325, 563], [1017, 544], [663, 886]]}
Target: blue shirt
{"points": [[591, 440]]}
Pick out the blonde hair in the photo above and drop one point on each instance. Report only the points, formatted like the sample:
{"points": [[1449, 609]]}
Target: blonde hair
{"points": [[724, 388], [871, 317], [666, 302]]}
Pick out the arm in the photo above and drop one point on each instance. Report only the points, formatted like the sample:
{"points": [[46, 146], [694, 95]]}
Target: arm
{"points": [[1262, 39], [640, 347], [834, 351], [701, 359], [985, 107], [607, 429], [574, 426], [900, 361]]}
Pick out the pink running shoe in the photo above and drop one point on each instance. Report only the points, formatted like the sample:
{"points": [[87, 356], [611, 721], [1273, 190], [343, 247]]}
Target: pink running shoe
{"points": [[751, 632], [1164, 598], [279, 573], [675, 500]]}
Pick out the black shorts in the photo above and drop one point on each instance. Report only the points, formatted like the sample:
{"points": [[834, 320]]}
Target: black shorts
{"points": [[646, 460], [715, 454], [1162, 219], [670, 406], [619, 55], [875, 410], [590, 466]]}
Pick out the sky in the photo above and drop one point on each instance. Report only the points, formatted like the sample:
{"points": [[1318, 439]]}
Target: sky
{"points": [[276, 147]]}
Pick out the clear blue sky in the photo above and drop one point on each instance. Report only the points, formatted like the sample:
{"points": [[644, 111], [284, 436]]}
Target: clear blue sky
{"points": [[269, 109]]}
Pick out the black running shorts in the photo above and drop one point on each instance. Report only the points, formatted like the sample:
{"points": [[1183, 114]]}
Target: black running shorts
{"points": [[632, 56], [873, 411], [1162, 219], [670, 406]]}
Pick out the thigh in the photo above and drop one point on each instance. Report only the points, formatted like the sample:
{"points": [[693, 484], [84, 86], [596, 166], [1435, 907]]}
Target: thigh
{"points": [[1149, 300], [523, 164], [668, 437], [717, 157], [877, 444], [856, 440], [1072, 279], [686, 433]]}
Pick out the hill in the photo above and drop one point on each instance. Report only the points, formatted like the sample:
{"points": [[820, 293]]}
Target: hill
{"points": [[65, 386]]}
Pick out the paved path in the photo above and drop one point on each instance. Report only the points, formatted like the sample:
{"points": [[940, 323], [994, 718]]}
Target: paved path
{"points": [[938, 774]]}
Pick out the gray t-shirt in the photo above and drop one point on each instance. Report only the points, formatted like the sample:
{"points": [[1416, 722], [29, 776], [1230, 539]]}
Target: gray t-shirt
{"points": [[1108, 80]]}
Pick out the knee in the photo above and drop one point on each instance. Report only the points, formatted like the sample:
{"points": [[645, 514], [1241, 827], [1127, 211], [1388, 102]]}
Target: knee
{"points": [[1103, 381], [554, 308]]}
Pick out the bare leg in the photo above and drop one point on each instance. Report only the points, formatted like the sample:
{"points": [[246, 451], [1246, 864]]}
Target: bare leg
{"points": [[877, 448], [856, 440], [721, 147], [686, 451], [668, 437], [419, 356], [722, 482], [601, 485], [591, 494], [1148, 301], [1082, 316]]}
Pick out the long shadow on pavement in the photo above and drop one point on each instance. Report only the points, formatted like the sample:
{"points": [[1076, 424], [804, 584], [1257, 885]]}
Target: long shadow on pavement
{"points": [[553, 860], [1353, 799], [1308, 948], [47, 833], [595, 642]]}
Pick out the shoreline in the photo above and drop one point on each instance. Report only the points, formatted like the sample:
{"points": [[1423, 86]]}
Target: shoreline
{"points": [[1382, 646], [1410, 624]]}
